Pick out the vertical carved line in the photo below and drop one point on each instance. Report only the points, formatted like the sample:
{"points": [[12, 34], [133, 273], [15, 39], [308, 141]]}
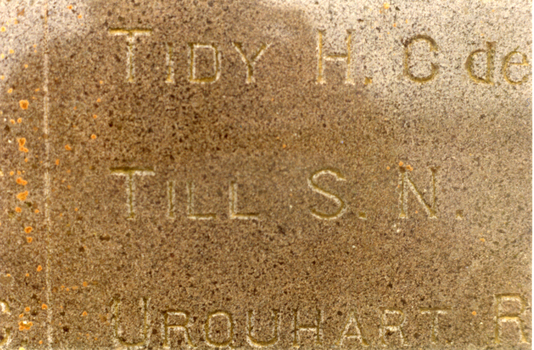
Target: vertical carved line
{"points": [[46, 109]]}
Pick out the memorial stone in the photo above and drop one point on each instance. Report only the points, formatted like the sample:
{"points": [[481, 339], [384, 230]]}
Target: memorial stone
{"points": [[239, 174]]}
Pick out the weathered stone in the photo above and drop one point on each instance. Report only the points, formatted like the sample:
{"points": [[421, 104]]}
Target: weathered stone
{"points": [[239, 174]]}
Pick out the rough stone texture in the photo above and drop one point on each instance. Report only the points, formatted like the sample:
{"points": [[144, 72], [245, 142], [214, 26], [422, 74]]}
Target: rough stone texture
{"points": [[120, 163]]}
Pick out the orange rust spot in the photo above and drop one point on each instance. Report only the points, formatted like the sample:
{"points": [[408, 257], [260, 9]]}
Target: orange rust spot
{"points": [[21, 315], [75, 209], [284, 146], [84, 284], [74, 107], [44, 307], [75, 287], [39, 268], [25, 325], [474, 313], [80, 16], [19, 120], [11, 51], [394, 24], [98, 100], [95, 116], [29, 239], [36, 211], [84, 313], [27, 309], [387, 168], [24, 104], [69, 7], [18, 210], [37, 90], [12, 121], [26, 160], [28, 229], [57, 161], [401, 163], [68, 148], [11, 173], [40, 342], [21, 181], [482, 240], [93, 136], [22, 142], [3, 29], [22, 196], [101, 82], [67, 289], [409, 167], [27, 275]]}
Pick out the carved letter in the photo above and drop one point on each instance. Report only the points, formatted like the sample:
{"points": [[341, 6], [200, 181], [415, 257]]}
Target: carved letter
{"points": [[313, 185], [130, 39], [191, 205], [384, 327], [171, 199], [116, 319], [507, 63], [182, 327], [490, 52], [233, 206], [216, 63], [408, 53], [130, 184], [501, 317], [7, 337], [258, 343], [406, 183], [308, 327], [321, 57], [357, 334], [170, 64], [434, 328], [250, 63], [209, 340]]}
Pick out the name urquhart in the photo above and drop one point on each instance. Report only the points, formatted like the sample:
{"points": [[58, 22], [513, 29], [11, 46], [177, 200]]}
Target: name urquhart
{"points": [[482, 57], [176, 324]]}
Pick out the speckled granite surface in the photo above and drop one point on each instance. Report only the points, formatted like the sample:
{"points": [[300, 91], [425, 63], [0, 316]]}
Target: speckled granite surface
{"points": [[247, 174]]}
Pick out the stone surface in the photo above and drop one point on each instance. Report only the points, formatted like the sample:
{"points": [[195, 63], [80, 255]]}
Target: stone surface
{"points": [[224, 174]]}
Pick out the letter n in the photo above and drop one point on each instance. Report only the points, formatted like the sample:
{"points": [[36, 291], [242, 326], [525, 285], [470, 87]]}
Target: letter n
{"points": [[405, 184]]}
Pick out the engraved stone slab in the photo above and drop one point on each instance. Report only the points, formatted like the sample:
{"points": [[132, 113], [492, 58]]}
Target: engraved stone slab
{"points": [[265, 174]]}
